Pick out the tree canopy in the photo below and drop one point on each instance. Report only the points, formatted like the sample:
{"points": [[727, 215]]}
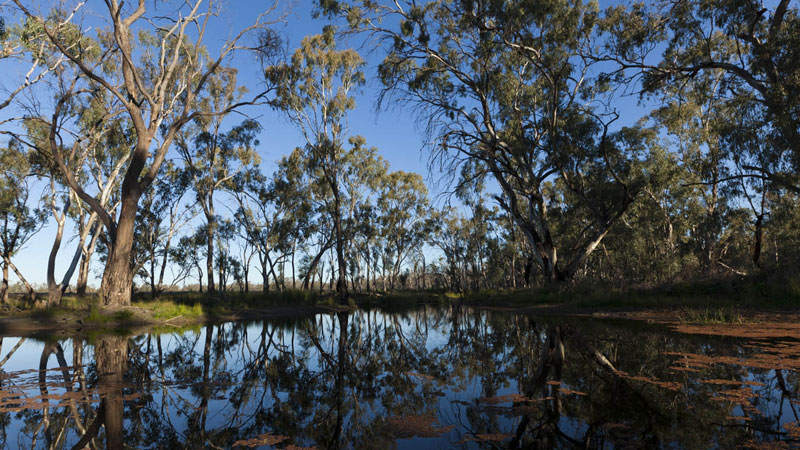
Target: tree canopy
{"points": [[148, 145]]}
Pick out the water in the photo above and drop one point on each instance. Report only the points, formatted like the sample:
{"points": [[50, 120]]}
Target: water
{"points": [[433, 377]]}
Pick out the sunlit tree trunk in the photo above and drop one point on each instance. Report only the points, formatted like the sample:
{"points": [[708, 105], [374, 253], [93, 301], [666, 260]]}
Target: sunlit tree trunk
{"points": [[117, 284], [86, 258], [53, 289], [28, 287]]}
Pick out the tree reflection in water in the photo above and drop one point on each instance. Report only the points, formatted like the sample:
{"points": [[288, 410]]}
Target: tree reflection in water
{"points": [[433, 376]]}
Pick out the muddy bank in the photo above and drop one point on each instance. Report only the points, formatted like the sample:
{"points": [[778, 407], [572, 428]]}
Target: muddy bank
{"points": [[745, 322], [133, 319]]}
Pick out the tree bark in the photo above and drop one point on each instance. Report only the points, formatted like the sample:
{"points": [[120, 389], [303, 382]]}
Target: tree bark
{"points": [[211, 223], [757, 240], [294, 276], [153, 293], [341, 283], [28, 287], [53, 289], [367, 265], [117, 285], [308, 278], [163, 269], [246, 270], [4, 285], [264, 274], [86, 258]]}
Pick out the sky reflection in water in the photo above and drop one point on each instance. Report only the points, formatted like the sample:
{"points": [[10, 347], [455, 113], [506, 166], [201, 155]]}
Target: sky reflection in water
{"points": [[433, 377]]}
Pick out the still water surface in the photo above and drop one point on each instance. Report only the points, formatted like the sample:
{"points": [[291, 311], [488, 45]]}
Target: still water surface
{"points": [[432, 377]]}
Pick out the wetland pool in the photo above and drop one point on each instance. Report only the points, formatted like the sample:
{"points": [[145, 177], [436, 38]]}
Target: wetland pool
{"points": [[429, 377]]}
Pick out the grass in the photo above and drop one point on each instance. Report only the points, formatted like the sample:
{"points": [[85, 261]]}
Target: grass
{"points": [[69, 306], [96, 316], [713, 316], [195, 305], [234, 298], [166, 309]]}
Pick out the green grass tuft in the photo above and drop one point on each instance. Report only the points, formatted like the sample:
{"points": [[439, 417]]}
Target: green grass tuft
{"points": [[94, 313], [166, 309]]}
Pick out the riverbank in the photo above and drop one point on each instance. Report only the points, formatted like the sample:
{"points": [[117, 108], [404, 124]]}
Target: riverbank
{"points": [[173, 311], [725, 300], [715, 302]]}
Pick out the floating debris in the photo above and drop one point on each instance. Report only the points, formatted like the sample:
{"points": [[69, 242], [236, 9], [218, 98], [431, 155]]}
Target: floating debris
{"points": [[417, 426], [263, 439]]}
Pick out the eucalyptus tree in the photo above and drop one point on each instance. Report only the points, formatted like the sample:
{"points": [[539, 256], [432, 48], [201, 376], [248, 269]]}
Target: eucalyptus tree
{"points": [[314, 89], [192, 250], [756, 48], [475, 254], [26, 44], [480, 227], [503, 84], [657, 239], [162, 216], [212, 157], [263, 217], [246, 253], [364, 173], [23, 48], [19, 222], [56, 289], [87, 223], [61, 202], [299, 220], [749, 50], [449, 237], [84, 131], [156, 67], [365, 244], [304, 225], [695, 116], [187, 256], [228, 267], [782, 225], [404, 217], [108, 136]]}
